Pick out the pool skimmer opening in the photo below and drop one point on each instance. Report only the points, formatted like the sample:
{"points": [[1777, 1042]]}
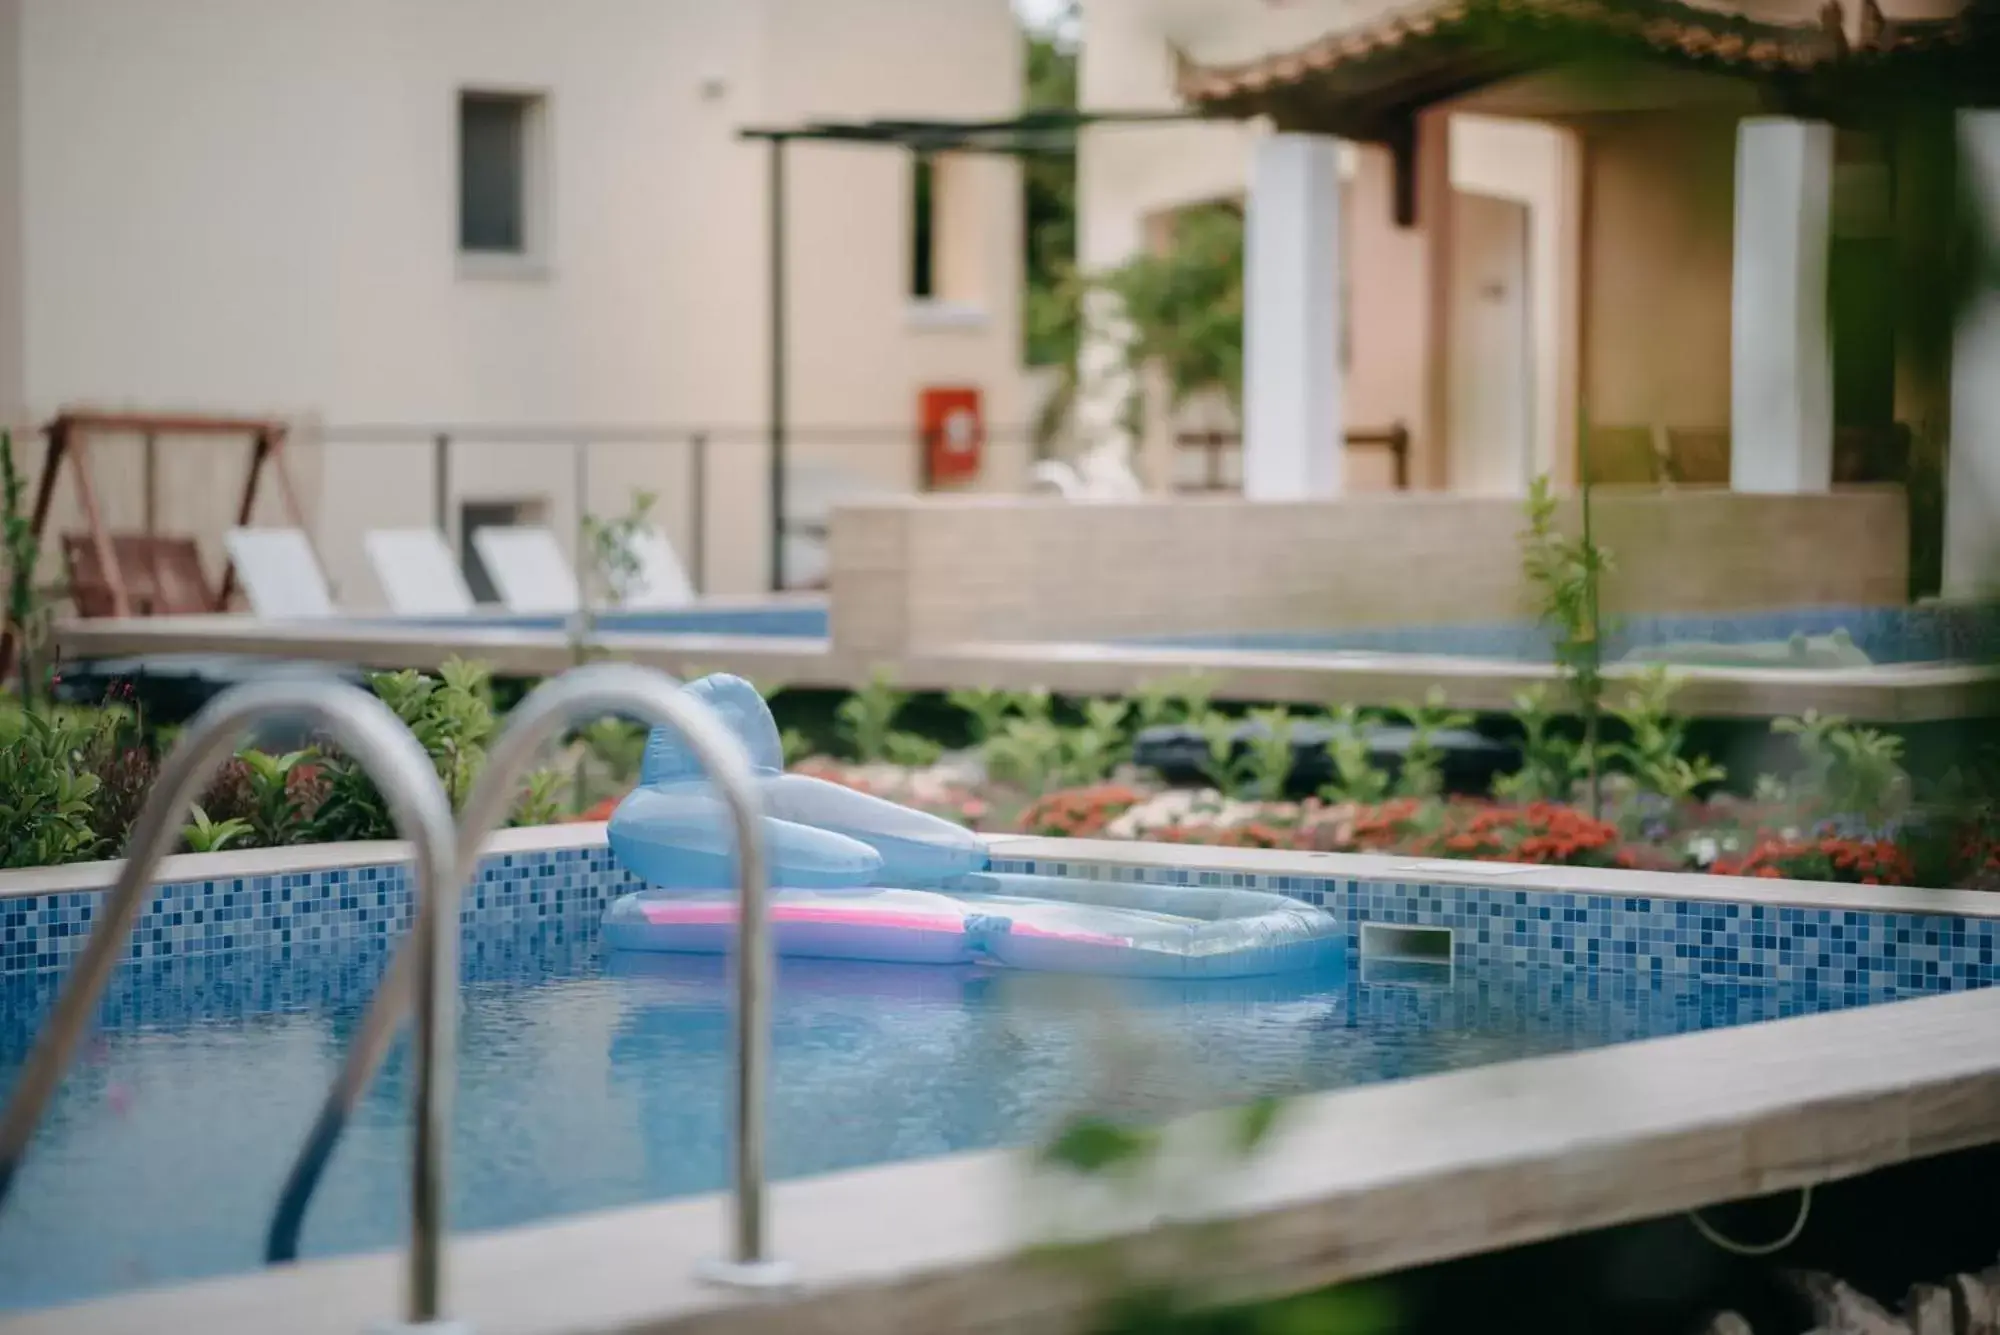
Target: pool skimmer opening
{"points": [[1414, 945], [1394, 953]]}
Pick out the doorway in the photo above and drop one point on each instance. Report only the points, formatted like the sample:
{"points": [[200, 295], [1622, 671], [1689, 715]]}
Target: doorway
{"points": [[1491, 350]]}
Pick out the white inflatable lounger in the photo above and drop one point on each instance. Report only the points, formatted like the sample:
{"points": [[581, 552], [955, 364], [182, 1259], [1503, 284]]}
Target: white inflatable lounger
{"points": [[1046, 924]]}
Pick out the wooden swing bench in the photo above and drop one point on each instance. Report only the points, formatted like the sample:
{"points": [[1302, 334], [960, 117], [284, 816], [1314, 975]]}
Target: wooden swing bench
{"points": [[161, 575], [145, 573]]}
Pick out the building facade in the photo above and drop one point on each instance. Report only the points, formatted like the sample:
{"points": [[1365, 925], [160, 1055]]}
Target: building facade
{"points": [[1667, 242], [381, 220]]}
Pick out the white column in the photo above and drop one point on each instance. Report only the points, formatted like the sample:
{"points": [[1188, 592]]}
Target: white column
{"points": [[1781, 364], [1972, 482], [1292, 423], [1108, 235]]}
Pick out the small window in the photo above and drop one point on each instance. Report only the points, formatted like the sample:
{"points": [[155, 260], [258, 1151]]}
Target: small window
{"points": [[923, 228], [946, 279], [499, 152]]}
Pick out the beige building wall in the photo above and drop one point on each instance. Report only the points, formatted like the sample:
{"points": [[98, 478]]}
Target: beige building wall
{"points": [[861, 347], [1657, 268], [247, 206], [1388, 318], [12, 407]]}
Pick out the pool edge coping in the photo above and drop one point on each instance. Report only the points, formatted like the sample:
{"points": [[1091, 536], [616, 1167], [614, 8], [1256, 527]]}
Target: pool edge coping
{"points": [[1884, 694], [242, 864], [1602, 882]]}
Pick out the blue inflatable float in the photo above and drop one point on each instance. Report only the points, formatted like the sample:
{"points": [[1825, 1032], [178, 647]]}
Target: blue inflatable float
{"points": [[856, 877]]}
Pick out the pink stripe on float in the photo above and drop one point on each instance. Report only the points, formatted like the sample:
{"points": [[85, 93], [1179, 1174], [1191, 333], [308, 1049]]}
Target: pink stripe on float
{"points": [[688, 915]]}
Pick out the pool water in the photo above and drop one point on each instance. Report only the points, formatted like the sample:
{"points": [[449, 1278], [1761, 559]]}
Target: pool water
{"points": [[1962, 632], [587, 1083], [795, 619]]}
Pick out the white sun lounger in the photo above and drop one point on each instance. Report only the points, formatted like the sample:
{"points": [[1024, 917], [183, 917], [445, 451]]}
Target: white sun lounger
{"points": [[279, 575], [662, 581], [528, 569], [417, 572]]}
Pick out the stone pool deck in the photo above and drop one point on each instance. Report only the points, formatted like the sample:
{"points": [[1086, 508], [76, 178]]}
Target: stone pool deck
{"points": [[1889, 693], [1353, 1183]]}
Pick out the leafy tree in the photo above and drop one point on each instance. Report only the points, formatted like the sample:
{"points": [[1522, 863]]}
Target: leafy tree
{"points": [[1185, 304], [1049, 190]]}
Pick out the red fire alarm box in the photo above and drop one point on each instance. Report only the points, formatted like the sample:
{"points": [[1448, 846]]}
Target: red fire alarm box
{"points": [[953, 431]]}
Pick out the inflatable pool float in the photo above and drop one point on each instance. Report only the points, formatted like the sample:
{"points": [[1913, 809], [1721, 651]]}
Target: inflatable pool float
{"points": [[854, 877]]}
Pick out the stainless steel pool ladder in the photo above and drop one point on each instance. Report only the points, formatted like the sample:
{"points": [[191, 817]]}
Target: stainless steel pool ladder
{"points": [[430, 963], [367, 730]]}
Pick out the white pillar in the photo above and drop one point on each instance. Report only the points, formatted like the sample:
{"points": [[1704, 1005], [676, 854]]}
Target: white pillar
{"points": [[1972, 480], [1292, 423], [1781, 364]]}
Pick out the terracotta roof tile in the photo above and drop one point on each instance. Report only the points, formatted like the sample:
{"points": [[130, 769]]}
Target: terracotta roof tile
{"points": [[1669, 27]]}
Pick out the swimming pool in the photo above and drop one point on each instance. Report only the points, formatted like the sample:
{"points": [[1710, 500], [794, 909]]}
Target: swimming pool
{"points": [[1933, 633], [589, 1082], [800, 618]]}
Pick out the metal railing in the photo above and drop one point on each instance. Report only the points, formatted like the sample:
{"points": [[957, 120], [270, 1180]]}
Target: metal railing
{"points": [[365, 728], [423, 974], [1217, 447], [685, 466], [428, 963]]}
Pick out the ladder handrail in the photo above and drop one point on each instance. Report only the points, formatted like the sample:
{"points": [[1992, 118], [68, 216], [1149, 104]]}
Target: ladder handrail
{"points": [[361, 725], [428, 964]]}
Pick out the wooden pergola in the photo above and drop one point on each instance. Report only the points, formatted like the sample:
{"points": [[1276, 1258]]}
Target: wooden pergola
{"points": [[146, 573], [1369, 82]]}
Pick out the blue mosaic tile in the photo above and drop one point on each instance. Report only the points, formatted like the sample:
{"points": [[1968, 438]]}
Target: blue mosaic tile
{"points": [[1498, 928], [523, 901], [313, 909]]}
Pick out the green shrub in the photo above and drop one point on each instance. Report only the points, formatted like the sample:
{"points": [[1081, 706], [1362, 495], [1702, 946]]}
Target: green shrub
{"points": [[1565, 574], [1551, 764], [205, 835], [988, 709], [1848, 770], [1028, 753], [867, 718], [1028, 748], [1098, 745], [541, 800], [1266, 763], [46, 793], [1180, 699], [619, 745], [1422, 772], [451, 716], [911, 750], [1657, 736], [277, 812], [1355, 775]]}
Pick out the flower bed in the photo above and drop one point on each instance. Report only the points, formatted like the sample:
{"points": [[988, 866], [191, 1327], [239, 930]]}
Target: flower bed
{"points": [[1723, 837], [1064, 769]]}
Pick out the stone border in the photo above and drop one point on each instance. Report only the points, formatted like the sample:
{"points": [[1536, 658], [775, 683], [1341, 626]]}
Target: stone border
{"points": [[1885, 694], [87, 876], [1618, 884], [28, 882]]}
